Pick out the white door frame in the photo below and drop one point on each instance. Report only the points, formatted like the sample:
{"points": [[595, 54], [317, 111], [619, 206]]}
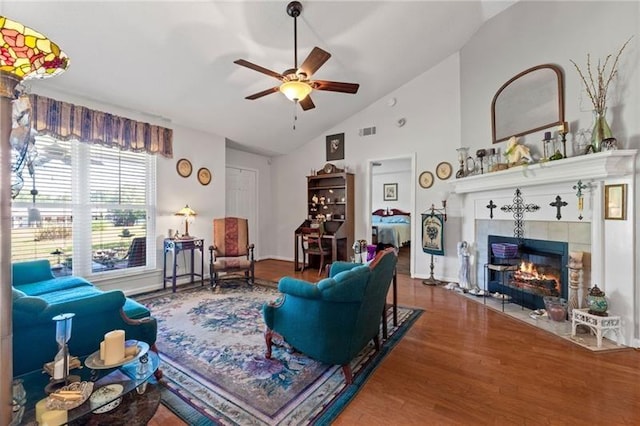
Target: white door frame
{"points": [[414, 221]]}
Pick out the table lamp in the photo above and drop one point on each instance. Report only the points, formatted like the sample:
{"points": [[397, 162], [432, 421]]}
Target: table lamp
{"points": [[188, 213]]}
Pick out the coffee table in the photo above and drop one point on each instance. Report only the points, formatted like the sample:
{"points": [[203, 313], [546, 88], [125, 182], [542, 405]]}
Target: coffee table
{"points": [[133, 378]]}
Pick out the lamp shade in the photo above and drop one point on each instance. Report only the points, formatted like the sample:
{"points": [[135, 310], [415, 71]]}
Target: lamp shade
{"points": [[27, 54], [295, 90], [186, 211]]}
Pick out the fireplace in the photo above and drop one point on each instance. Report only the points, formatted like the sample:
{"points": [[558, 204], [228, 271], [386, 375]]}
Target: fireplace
{"points": [[539, 269]]}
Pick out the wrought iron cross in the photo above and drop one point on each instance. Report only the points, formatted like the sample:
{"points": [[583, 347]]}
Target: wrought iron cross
{"points": [[580, 186], [558, 204], [519, 208], [491, 206]]}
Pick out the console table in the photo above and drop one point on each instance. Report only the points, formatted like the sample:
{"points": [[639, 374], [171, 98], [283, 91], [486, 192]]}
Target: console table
{"points": [[597, 324], [175, 246]]}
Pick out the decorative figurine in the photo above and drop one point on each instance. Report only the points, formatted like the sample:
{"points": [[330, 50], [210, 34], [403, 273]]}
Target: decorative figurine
{"points": [[596, 302]]}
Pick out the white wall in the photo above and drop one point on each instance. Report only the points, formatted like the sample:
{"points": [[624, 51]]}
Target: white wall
{"points": [[392, 171], [430, 105]]}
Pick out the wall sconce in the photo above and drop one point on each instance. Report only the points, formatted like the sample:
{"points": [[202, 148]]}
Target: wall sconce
{"points": [[188, 214]]}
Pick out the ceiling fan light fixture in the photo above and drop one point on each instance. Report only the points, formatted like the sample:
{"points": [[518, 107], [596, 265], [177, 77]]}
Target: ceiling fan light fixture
{"points": [[295, 90]]}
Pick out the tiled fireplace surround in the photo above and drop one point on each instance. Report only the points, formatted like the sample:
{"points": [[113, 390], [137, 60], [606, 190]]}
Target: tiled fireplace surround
{"points": [[608, 245]]}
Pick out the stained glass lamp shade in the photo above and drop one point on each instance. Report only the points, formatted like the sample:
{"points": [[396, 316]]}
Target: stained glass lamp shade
{"points": [[26, 53]]}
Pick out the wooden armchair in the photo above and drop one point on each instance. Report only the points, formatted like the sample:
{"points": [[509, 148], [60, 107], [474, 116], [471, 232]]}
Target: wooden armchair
{"points": [[231, 251]]}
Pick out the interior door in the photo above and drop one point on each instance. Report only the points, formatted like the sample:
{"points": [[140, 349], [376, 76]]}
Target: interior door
{"points": [[241, 199]]}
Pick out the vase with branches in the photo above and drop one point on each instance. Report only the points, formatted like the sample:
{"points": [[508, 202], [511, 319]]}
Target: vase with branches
{"points": [[596, 83]]}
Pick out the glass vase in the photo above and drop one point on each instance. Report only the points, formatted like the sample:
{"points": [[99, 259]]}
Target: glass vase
{"points": [[601, 131]]}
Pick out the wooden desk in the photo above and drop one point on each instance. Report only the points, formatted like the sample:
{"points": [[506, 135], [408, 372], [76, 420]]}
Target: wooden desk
{"points": [[175, 246]]}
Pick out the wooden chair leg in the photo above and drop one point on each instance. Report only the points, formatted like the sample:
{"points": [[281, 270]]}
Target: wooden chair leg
{"points": [[268, 334], [321, 264], [348, 375], [384, 322]]}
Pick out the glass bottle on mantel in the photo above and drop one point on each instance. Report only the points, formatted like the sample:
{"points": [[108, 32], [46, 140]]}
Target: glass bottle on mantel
{"points": [[601, 131]]}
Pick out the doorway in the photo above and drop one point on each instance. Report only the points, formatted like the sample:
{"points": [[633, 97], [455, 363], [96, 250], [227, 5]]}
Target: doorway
{"points": [[241, 199], [391, 226]]}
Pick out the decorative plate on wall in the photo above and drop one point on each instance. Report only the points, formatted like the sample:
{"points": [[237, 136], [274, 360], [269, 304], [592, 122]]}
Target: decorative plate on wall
{"points": [[204, 176], [443, 170], [184, 168], [426, 179]]}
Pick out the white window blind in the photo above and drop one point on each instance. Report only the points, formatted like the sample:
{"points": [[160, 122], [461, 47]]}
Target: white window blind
{"points": [[96, 206]]}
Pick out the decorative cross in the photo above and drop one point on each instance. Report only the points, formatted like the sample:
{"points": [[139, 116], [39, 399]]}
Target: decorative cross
{"points": [[519, 208], [558, 204], [579, 187], [491, 206]]}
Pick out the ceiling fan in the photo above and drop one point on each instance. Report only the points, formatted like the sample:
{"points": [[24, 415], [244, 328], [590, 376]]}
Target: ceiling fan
{"points": [[296, 82]]}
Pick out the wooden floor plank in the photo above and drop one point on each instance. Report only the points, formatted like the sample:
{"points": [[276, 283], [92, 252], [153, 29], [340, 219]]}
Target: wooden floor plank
{"points": [[463, 363]]}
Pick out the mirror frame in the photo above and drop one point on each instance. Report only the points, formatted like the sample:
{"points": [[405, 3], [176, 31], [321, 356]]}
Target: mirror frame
{"points": [[538, 126]]}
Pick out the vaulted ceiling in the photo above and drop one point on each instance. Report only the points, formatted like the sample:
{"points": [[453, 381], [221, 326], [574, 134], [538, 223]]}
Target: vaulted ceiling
{"points": [[174, 60]]}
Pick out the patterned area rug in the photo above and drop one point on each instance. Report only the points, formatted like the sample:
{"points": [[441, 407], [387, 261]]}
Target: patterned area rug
{"points": [[212, 351]]}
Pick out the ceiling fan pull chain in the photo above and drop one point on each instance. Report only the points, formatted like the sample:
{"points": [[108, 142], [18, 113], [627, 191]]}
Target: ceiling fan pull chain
{"points": [[295, 115]]}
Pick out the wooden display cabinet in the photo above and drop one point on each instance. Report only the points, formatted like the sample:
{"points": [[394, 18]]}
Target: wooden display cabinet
{"points": [[331, 193]]}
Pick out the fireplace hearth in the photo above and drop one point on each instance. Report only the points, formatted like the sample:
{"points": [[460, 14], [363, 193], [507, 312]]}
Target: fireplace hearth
{"points": [[539, 269]]}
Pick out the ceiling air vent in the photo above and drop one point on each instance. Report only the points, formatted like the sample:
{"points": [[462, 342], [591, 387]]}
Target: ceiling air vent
{"points": [[367, 131]]}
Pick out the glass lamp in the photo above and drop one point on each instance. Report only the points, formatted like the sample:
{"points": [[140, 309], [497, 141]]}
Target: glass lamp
{"points": [[188, 214], [295, 90]]}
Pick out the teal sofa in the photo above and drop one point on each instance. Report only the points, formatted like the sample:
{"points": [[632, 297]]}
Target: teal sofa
{"points": [[334, 319], [38, 296]]}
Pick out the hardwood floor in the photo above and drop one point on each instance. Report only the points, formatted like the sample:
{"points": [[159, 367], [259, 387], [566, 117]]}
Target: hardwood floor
{"points": [[462, 363]]}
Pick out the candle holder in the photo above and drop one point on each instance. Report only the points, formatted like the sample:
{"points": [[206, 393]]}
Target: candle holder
{"points": [[61, 375], [462, 156], [481, 153]]}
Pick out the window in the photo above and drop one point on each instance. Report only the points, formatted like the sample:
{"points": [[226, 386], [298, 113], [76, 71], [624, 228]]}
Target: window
{"points": [[87, 208]]}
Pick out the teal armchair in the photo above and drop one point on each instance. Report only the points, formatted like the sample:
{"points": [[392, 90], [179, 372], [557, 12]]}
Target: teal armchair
{"points": [[334, 319]]}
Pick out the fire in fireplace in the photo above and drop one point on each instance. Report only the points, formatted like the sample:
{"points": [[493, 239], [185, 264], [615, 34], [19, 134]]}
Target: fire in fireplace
{"points": [[539, 269], [539, 279]]}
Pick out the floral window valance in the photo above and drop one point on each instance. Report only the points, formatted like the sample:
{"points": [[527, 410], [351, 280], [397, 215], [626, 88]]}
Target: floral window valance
{"points": [[66, 121]]}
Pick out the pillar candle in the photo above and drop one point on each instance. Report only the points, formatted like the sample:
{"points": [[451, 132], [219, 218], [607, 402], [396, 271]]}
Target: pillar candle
{"points": [[53, 418], [41, 407], [113, 347]]}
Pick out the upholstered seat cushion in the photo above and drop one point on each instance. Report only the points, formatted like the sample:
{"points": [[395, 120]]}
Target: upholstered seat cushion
{"points": [[222, 263], [54, 285]]}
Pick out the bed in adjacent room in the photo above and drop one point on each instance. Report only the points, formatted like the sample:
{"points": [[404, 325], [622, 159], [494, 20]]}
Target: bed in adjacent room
{"points": [[391, 226]]}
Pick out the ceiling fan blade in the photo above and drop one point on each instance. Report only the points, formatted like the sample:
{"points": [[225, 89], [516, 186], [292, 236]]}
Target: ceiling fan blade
{"points": [[314, 61], [258, 68], [336, 86], [307, 103], [263, 93]]}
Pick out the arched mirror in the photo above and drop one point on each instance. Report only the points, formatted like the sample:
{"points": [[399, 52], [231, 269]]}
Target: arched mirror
{"points": [[531, 101]]}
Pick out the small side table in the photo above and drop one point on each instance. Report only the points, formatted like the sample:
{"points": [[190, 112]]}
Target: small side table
{"points": [[597, 324], [175, 246]]}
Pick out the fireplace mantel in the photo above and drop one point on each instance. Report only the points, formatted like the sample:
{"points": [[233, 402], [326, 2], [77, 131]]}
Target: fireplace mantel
{"points": [[589, 167]]}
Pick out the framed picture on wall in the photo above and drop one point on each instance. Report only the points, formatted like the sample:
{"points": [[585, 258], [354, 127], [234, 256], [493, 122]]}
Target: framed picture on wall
{"points": [[615, 201], [390, 192], [335, 147]]}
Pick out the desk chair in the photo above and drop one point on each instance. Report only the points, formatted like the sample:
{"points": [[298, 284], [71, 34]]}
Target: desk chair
{"points": [[314, 244]]}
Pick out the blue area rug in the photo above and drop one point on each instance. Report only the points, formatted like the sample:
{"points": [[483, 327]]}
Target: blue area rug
{"points": [[212, 355]]}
